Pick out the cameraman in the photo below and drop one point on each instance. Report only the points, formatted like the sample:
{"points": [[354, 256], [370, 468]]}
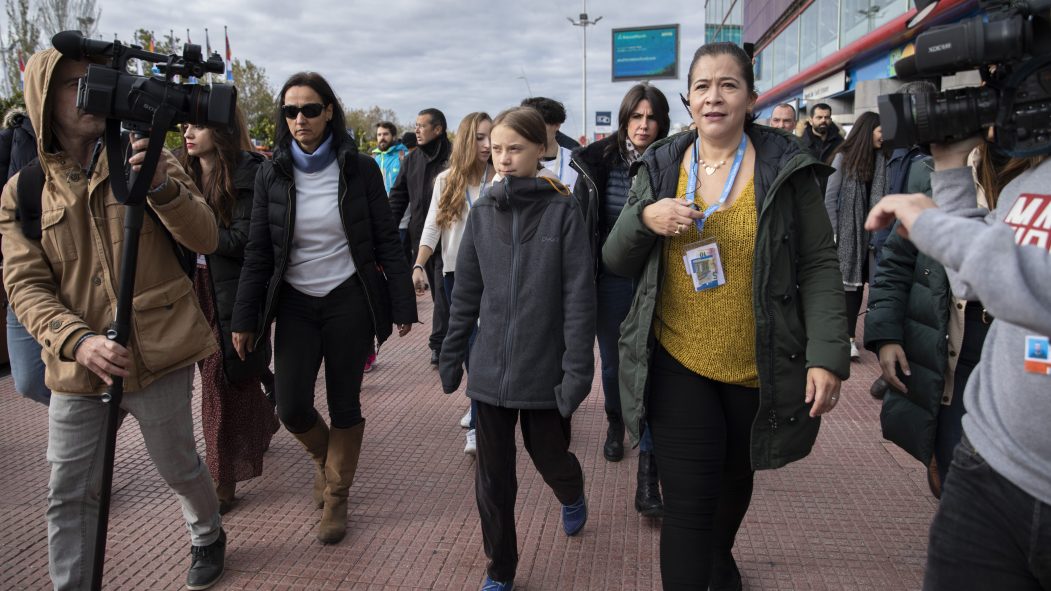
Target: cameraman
{"points": [[993, 526], [63, 285]]}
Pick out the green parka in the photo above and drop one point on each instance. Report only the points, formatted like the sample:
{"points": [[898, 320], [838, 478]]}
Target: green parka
{"points": [[800, 310]]}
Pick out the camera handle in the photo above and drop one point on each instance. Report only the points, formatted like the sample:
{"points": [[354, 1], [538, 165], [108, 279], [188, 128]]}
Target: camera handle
{"points": [[134, 201]]}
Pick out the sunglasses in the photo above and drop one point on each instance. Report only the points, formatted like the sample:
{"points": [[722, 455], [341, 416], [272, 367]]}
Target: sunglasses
{"points": [[311, 110]]}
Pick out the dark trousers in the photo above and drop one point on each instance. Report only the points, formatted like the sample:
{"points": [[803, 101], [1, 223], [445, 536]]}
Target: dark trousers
{"points": [[440, 313], [988, 533], [950, 427], [448, 281], [854, 309], [336, 328], [546, 435], [614, 302], [701, 432]]}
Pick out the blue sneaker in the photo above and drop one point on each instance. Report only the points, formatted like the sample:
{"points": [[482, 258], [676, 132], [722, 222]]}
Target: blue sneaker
{"points": [[575, 516], [491, 585]]}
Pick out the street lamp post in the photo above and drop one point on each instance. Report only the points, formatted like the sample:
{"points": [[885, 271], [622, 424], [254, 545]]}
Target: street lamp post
{"points": [[583, 23]]}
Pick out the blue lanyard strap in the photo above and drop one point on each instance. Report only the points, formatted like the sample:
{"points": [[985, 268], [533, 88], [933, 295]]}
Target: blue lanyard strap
{"points": [[691, 186], [481, 186]]}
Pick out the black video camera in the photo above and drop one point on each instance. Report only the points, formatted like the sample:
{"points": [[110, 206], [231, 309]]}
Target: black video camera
{"points": [[1010, 45], [110, 91]]}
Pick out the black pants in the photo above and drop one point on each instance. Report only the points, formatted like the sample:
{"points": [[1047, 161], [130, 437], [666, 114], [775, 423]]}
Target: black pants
{"points": [[854, 309], [336, 328], [701, 431], [546, 435], [988, 533], [440, 315]]}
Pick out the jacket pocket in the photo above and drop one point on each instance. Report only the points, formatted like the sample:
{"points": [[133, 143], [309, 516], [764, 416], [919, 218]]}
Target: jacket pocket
{"points": [[168, 323], [56, 237]]}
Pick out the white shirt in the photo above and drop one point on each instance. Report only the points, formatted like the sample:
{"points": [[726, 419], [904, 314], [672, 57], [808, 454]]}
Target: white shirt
{"points": [[451, 235], [320, 259], [560, 166]]}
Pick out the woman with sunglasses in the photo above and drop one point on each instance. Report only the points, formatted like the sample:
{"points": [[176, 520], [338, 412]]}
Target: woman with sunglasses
{"points": [[456, 190], [324, 260], [237, 420]]}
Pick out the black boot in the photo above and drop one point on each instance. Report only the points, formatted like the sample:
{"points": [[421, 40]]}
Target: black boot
{"points": [[207, 565], [725, 576], [613, 450], [648, 492], [878, 389]]}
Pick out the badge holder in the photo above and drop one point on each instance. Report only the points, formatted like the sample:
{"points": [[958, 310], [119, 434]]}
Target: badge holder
{"points": [[704, 265]]}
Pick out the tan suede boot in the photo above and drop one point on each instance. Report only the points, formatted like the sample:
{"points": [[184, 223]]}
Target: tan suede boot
{"points": [[340, 466], [315, 440], [227, 500]]}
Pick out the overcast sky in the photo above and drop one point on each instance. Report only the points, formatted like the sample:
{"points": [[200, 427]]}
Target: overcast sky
{"points": [[457, 55]]}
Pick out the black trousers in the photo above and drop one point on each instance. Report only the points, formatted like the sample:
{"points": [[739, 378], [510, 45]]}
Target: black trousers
{"points": [[336, 328], [701, 431], [440, 314], [546, 435]]}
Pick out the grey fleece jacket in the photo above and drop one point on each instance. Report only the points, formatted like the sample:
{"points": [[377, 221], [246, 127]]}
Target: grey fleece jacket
{"points": [[525, 271], [1002, 258]]}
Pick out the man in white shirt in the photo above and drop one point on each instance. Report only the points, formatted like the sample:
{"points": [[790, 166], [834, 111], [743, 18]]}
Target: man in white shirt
{"points": [[557, 158]]}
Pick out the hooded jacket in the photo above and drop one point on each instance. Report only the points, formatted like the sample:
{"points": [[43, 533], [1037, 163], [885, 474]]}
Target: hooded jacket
{"points": [[17, 143], [797, 291], [524, 272], [822, 149], [370, 230], [65, 284], [415, 183]]}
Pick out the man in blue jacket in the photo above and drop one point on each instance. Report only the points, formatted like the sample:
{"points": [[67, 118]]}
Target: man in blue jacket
{"points": [[389, 153]]}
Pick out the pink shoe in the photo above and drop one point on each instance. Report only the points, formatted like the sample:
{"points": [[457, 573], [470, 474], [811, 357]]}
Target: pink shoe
{"points": [[369, 362]]}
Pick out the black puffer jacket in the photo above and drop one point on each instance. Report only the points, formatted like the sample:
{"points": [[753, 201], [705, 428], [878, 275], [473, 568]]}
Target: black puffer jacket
{"points": [[415, 183], [17, 144], [601, 190], [822, 148], [371, 232], [225, 264]]}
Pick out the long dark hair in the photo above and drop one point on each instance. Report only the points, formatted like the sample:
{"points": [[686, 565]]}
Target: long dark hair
{"points": [[859, 155], [219, 190], [637, 94], [739, 55], [337, 125]]}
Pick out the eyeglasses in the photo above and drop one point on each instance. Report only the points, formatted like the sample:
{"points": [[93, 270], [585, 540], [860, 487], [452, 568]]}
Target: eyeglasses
{"points": [[310, 110]]}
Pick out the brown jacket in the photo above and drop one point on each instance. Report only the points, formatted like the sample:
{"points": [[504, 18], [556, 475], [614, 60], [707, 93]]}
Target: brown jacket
{"points": [[66, 284]]}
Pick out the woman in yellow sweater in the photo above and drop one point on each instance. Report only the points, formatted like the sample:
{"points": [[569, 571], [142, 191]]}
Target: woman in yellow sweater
{"points": [[736, 341]]}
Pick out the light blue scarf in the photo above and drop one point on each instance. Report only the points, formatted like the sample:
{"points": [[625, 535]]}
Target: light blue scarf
{"points": [[316, 162]]}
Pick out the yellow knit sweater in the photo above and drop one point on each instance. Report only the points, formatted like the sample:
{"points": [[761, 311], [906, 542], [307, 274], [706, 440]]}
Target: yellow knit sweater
{"points": [[712, 332]]}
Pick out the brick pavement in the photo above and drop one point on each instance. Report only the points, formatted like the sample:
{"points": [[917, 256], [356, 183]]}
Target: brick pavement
{"points": [[853, 515]]}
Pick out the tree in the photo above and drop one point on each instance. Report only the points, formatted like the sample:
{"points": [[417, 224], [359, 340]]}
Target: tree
{"points": [[69, 15], [23, 35], [256, 97], [363, 122]]}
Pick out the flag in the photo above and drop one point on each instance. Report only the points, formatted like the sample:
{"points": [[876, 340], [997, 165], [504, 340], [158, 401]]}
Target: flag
{"points": [[193, 79], [207, 53], [151, 46], [172, 49], [21, 70], [229, 59]]}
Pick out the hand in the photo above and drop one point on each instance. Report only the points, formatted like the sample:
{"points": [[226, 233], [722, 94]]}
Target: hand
{"points": [[244, 343], [906, 208], [104, 358], [403, 329], [954, 155], [139, 147], [668, 217], [419, 281], [890, 357], [822, 388]]}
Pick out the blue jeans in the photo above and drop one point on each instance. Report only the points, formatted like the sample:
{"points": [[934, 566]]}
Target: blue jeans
{"points": [[614, 302], [988, 533], [27, 368], [447, 284]]}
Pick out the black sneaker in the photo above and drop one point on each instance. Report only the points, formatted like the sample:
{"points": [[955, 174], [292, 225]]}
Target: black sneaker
{"points": [[435, 355], [206, 567]]}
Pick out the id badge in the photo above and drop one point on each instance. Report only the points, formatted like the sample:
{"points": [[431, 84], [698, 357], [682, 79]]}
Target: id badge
{"points": [[704, 265], [1037, 355]]}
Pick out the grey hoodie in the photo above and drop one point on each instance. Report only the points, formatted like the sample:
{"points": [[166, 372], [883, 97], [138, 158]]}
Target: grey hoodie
{"points": [[524, 271], [1002, 258]]}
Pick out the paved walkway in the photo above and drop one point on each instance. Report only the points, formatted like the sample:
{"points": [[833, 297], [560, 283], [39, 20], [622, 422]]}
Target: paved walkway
{"points": [[853, 515]]}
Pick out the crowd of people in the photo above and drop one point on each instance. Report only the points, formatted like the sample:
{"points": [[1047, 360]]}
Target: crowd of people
{"points": [[721, 271]]}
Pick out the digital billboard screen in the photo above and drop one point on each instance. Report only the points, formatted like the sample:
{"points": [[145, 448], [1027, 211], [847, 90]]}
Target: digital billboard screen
{"points": [[646, 53]]}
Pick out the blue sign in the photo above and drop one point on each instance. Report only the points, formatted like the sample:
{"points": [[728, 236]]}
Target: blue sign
{"points": [[603, 118], [646, 53]]}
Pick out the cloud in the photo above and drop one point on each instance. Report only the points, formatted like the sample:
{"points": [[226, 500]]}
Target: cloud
{"points": [[406, 55]]}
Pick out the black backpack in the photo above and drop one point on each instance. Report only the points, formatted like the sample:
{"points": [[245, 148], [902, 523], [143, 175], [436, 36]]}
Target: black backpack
{"points": [[31, 189]]}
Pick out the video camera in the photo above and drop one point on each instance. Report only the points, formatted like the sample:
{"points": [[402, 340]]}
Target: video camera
{"points": [[1010, 45], [112, 92]]}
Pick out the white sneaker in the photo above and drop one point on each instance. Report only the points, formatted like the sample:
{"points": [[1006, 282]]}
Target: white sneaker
{"points": [[472, 446], [854, 354], [465, 422]]}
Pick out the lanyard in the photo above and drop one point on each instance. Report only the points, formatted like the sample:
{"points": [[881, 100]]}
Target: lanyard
{"points": [[481, 186], [691, 186], [561, 165]]}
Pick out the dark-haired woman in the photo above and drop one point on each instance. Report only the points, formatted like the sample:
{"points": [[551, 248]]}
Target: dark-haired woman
{"points": [[324, 259], [859, 182], [602, 190], [237, 420], [736, 340]]}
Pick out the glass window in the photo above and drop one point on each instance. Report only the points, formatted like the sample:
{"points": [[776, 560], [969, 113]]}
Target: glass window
{"points": [[888, 11], [827, 27], [808, 39], [791, 37], [855, 21]]}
